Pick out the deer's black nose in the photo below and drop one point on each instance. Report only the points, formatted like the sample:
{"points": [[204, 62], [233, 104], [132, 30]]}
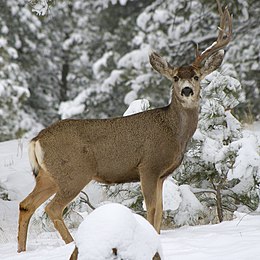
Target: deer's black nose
{"points": [[187, 91]]}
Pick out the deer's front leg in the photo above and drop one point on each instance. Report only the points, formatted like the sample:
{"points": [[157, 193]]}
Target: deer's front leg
{"points": [[152, 192], [159, 206]]}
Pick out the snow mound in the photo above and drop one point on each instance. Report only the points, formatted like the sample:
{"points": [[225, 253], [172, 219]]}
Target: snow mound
{"points": [[112, 231], [137, 106], [15, 172], [171, 195]]}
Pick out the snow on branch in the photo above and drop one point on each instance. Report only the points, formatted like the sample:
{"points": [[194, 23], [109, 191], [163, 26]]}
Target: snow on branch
{"points": [[40, 7]]}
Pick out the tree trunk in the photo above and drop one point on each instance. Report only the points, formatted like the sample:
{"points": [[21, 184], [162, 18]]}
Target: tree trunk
{"points": [[219, 203], [64, 81]]}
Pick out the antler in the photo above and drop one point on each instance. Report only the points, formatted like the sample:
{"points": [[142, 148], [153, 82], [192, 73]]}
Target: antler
{"points": [[224, 37]]}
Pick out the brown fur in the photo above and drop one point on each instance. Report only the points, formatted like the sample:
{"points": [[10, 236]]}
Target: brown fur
{"points": [[144, 147], [186, 72]]}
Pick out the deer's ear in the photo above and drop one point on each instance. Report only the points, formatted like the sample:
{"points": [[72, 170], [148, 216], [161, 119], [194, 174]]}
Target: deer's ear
{"points": [[161, 65], [212, 63]]}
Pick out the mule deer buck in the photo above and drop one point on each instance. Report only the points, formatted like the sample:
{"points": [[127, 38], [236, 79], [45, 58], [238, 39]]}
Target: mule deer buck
{"points": [[145, 147]]}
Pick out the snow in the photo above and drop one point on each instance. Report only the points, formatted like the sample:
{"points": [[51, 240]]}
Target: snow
{"points": [[102, 62], [4, 29], [225, 88], [233, 124], [129, 97], [137, 106], [121, 2], [3, 42], [184, 207], [112, 80], [136, 84], [161, 16], [138, 39], [2, 88], [190, 208], [15, 171], [135, 59], [237, 239], [73, 107], [171, 195], [74, 39], [247, 155], [143, 19], [70, 108], [39, 7], [115, 226], [12, 52], [210, 149]]}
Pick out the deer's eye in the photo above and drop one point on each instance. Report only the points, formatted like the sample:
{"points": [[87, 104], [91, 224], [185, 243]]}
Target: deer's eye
{"points": [[175, 78], [196, 78]]}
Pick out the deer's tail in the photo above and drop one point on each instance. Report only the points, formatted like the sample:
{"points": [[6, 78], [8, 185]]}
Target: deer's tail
{"points": [[35, 156]]}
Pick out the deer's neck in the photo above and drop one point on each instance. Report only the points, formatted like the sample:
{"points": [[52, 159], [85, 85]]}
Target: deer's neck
{"points": [[184, 118]]}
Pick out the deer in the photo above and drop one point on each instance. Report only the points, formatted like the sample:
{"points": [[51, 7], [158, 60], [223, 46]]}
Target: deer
{"points": [[146, 147]]}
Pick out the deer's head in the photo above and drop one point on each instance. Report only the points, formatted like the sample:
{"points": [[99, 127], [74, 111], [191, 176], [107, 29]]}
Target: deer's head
{"points": [[186, 79]]}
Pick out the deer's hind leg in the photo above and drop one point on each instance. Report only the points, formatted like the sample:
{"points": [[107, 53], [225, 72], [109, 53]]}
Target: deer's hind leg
{"points": [[57, 205], [55, 211], [44, 189]]}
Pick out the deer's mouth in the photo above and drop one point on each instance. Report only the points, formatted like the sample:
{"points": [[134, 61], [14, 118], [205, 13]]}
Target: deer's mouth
{"points": [[187, 91]]}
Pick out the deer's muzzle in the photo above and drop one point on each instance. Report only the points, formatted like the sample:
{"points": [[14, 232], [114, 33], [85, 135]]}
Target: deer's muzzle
{"points": [[187, 91]]}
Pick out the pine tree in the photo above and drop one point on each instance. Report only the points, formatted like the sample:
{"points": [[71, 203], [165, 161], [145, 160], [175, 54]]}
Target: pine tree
{"points": [[14, 92]]}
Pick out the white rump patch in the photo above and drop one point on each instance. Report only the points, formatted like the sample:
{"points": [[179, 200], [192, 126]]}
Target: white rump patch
{"points": [[32, 157], [39, 154], [36, 156]]}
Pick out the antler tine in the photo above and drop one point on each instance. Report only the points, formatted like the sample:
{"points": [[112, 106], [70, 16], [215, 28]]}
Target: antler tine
{"points": [[223, 38], [197, 52], [222, 20]]}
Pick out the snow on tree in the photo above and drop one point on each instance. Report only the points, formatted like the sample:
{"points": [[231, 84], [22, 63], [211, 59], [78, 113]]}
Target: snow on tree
{"points": [[40, 7], [14, 89], [59, 53], [216, 165], [180, 205]]}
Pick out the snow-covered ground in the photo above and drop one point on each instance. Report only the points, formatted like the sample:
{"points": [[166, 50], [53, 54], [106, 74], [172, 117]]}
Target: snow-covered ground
{"points": [[237, 239]]}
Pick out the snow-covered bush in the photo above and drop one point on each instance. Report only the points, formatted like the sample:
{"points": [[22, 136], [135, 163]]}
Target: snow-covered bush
{"points": [[180, 205], [112, 231], [127, 194], [41, 220]]}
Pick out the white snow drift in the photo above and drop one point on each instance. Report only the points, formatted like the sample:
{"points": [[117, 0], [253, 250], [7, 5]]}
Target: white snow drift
{"points": [[112, 231]]}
